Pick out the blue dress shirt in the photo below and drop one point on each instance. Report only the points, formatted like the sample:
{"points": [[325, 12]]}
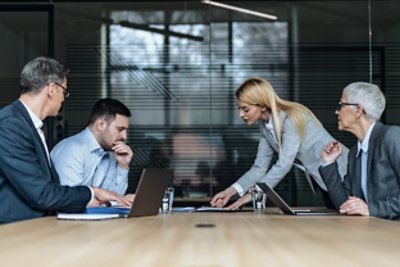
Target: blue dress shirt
{"points": [[80, 160]]}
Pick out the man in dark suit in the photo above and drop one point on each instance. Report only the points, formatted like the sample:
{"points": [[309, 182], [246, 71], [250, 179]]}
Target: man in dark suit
{"points": [[372, 184], [29, 184]]}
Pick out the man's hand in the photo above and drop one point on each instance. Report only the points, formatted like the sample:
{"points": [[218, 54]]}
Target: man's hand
{"points": [[130, 198], [220, 199], [123, 154], [331, 152], [354, 205], [102, 196], [246, 198]]}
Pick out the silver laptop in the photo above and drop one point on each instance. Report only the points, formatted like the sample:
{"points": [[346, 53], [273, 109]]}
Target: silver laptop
{"points": [[286, 209], [148, 199]]}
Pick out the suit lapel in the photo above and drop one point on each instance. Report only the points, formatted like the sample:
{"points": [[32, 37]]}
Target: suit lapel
{"points": [[269, 137], [371, 144], [25, 115]]}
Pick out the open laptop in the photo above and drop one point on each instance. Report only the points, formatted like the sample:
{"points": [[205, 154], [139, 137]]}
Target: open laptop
{"points": [[148, 199], [286, 209]]}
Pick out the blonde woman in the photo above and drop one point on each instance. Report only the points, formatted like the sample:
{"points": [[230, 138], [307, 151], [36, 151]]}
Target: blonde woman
{"points": [[287, 128]]}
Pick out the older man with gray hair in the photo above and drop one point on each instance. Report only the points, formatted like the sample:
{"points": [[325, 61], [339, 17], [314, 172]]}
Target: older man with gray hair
{"points": [[372, 184]]}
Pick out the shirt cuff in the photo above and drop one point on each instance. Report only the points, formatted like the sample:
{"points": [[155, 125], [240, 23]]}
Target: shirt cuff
{"points": [[326, 164], [122, 174], [238, 189], [92, 194]]}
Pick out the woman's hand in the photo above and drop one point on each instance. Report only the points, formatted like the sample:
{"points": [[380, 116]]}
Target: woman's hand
{"points": [[331, 152], [220, 199], [354, 206], [240, 202]]}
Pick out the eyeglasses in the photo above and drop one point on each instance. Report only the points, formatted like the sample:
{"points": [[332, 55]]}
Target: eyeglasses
{"points": [[67, 93], [342, 104]]}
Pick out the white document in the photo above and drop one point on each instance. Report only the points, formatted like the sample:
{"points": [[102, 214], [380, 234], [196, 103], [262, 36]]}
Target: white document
{"points": [[207, 208], [88, 217]]}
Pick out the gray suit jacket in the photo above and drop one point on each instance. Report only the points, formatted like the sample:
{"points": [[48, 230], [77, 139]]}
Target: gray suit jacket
{"points": [[309, 152], [383, 174]]}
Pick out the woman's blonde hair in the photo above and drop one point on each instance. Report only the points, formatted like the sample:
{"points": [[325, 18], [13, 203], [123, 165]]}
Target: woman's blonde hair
{"points": [[257, 91]]}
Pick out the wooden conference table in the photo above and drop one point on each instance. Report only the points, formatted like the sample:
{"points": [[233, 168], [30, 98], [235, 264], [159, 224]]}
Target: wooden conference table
{"points": [[203, 240]]}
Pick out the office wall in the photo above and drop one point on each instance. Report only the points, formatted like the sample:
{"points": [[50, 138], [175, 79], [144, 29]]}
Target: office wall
{"points": [[177, 64], [23, 35]]}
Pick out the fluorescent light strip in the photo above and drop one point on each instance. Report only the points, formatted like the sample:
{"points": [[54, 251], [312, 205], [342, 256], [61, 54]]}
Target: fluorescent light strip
{"points": [[243, 10]]}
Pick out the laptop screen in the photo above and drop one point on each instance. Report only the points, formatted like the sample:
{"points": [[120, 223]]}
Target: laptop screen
{"points": [[150, 192], [276, 199]]}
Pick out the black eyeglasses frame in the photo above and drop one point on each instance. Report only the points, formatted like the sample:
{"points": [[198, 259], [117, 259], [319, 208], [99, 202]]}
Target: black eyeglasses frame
{"points": [[340, 105], [67, 93]]}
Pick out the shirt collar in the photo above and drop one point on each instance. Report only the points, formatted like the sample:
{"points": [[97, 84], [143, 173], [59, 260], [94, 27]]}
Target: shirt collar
{"points": [[269, 124], [35, 119], [92, 144], [364, 144]]}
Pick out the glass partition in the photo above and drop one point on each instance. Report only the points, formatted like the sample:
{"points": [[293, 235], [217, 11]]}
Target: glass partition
{"points": [[177, 65]]}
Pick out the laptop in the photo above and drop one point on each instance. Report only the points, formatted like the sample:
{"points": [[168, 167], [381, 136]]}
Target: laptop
{"points": [[286, 209], [148, 199]]}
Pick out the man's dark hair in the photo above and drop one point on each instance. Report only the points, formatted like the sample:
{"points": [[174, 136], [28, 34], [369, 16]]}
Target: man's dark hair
{"points": [[108, 108], [39, 72]]}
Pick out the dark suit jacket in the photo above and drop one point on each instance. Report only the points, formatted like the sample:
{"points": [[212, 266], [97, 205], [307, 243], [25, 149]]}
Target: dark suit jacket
{"points": [[29, 187], [383, 170]]}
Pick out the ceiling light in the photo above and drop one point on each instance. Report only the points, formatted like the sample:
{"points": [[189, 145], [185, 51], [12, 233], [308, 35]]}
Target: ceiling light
{"points": [[239, 9]]}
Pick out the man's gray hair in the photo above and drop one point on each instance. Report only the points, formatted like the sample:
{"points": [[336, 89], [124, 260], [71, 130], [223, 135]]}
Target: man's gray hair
{"points": [[369, 96], [40, 71]]}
